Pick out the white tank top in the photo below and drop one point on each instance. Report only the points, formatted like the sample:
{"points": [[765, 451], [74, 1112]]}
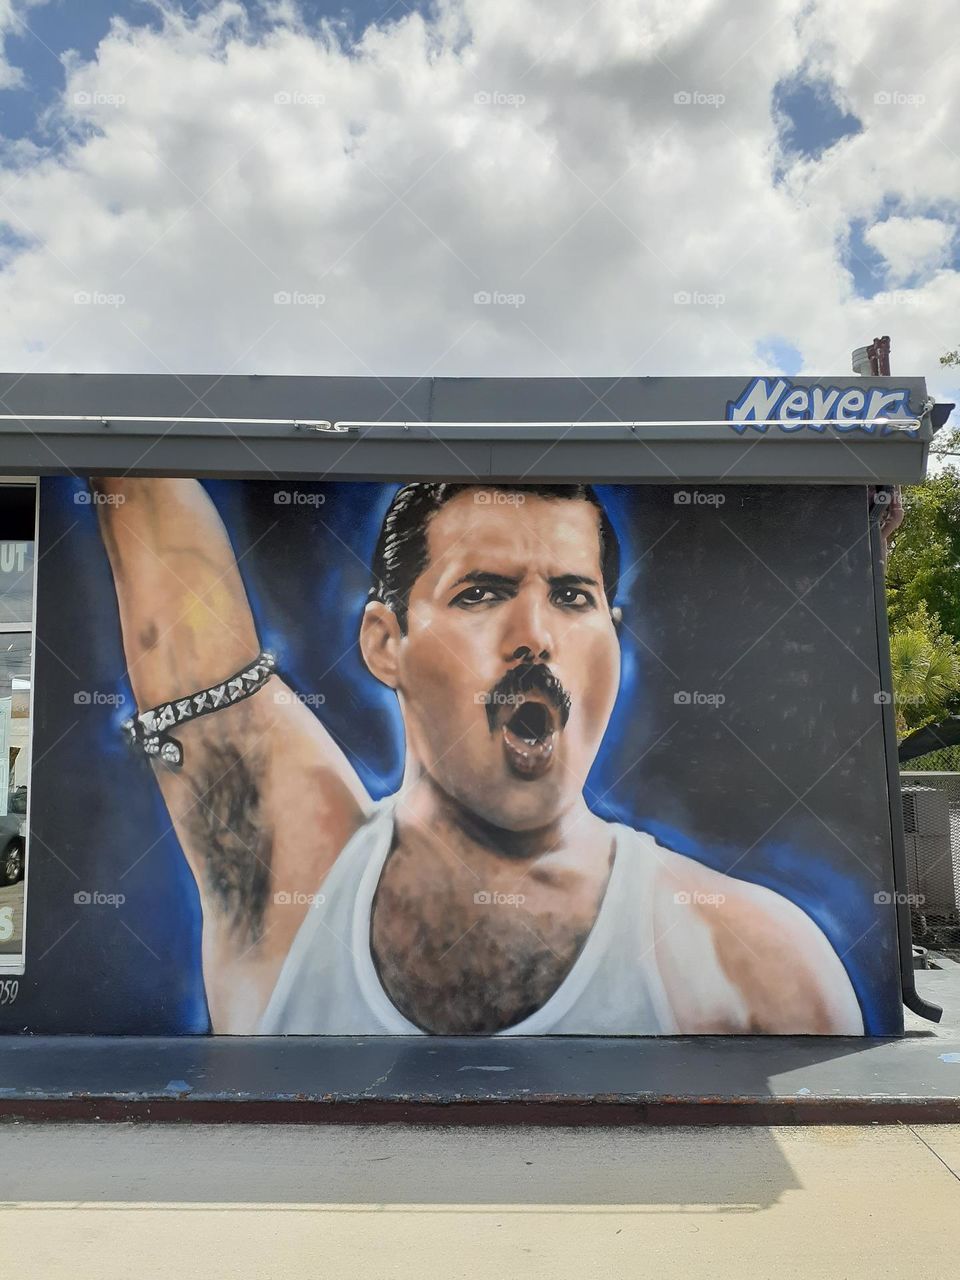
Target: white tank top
{"points": [[329, 983]]}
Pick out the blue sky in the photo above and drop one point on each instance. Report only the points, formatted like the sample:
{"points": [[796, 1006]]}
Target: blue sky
{"points": [[45, 34], [809, 118], [36, 46], [802, 189]]}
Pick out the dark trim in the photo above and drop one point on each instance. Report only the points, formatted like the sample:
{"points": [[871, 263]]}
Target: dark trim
{"points": [[931, 737], [569, 1112], [939, 415], [671, 454]]}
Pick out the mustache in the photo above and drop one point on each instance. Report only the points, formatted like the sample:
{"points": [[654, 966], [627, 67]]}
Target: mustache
{"points": [[528, 677]]}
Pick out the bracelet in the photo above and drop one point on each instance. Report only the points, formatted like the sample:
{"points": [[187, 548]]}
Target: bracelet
{"points": [[148, 731]]}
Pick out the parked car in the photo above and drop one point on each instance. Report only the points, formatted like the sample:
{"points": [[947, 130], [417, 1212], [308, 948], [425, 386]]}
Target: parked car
{"points": [[12, 847]]}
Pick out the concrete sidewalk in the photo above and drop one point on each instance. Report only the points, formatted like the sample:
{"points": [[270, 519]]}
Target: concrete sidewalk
{"points": [[121, 1201]]}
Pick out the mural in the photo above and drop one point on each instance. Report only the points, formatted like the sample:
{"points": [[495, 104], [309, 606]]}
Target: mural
{"points": [[457, 759]]}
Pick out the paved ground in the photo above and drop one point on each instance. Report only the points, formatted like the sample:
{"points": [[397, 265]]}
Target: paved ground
{"points": [[118, 1201]]}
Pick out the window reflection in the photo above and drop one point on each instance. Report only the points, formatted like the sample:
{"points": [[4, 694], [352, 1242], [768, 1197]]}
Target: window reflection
{"points": [[17, 556]]}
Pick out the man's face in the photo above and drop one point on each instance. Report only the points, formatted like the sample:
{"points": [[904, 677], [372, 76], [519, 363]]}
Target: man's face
{"points": [[510, 666]]}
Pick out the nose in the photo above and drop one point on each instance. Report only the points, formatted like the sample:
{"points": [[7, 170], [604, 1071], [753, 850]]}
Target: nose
{"points": [[528, 637]]}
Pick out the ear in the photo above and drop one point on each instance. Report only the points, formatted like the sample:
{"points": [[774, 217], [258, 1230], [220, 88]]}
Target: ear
{"points": [[616, 613], [380, 638]]}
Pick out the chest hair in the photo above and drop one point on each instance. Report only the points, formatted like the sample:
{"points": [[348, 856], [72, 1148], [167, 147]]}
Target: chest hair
{"points": [[455, 966]]}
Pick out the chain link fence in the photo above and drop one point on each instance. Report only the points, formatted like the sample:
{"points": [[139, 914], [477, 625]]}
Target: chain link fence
{"points": [[931, 822]]}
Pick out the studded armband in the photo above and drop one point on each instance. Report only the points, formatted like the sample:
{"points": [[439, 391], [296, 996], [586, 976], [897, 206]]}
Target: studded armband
{"points": [[149, 731]]}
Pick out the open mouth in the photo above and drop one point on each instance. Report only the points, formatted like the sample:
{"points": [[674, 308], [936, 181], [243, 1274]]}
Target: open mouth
{"points": [[529, 736]]}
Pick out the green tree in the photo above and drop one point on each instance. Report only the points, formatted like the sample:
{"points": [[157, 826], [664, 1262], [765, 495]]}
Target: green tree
{"points": [[923, 567], [926, 671], [923, 598]]}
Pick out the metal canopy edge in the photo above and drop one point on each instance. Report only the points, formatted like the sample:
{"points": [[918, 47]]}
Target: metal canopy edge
{"points": [[839, 430]]}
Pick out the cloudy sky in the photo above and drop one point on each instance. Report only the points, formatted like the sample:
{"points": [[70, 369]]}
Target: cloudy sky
{"points": [[478, 186]]}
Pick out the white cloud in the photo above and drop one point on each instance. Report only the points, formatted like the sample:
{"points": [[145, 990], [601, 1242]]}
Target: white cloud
{"points": [[528, 148], [910, 246]]}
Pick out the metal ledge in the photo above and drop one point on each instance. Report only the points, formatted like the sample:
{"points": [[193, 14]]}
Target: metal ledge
{"points": [[671, 430], [470, 1080]]}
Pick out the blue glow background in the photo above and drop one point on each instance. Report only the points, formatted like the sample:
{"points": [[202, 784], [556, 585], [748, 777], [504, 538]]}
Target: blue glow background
{"points": [[700, 589]]}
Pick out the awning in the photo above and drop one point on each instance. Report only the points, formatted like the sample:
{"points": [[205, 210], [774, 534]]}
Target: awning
{"points": [[767, 429]]}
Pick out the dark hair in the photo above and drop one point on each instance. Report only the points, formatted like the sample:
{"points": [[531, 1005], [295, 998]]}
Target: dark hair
{"points": [[401, 552]]}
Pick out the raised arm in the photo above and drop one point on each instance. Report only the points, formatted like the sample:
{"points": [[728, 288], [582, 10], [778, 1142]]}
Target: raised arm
{"points": [[265, 799]]}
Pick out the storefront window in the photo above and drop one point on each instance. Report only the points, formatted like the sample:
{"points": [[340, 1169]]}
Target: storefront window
{"points": [[16, 582], [17, 555]]}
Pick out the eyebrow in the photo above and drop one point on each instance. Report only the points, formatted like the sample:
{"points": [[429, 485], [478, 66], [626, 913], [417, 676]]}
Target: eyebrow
{"points": [[573, 580], [485, 579]]}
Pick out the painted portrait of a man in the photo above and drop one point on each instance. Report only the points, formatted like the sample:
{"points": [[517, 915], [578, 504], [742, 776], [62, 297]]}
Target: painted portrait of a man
{"points": [[485, 896]]}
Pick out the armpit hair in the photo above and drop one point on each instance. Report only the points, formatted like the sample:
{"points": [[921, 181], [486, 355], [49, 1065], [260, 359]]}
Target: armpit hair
{"points": [[227, 823]]}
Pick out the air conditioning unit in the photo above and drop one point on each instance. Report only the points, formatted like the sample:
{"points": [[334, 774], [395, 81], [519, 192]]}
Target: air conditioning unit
{"points": [[933, 856]]}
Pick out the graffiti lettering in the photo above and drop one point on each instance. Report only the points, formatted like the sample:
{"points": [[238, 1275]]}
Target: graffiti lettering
{"points": [[844, 409]]}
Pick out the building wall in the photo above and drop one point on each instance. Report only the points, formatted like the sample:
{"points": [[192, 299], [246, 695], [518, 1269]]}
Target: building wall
{"points": [[744, 745]]}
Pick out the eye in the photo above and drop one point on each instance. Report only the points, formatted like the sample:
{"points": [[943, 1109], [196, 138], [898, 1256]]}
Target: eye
{"points": [[477, 594], [572, 598]]}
